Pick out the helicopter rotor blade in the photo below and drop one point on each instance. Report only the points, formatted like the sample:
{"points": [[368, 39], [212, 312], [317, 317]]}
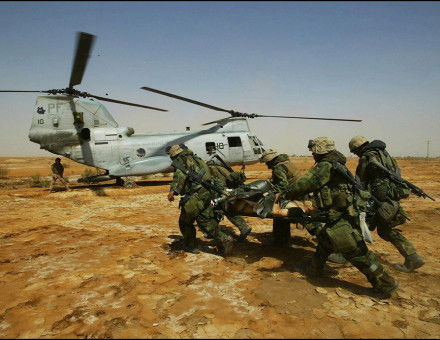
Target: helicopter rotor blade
{"points": [[236, 113], [20, 91], [185, 99], [317, 118], [125, 103], [218, 121], [84, 45]]}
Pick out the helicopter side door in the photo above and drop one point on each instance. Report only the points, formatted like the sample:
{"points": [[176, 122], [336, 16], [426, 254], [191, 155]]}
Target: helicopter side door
{"points": [[236, 152], [103, 146]]}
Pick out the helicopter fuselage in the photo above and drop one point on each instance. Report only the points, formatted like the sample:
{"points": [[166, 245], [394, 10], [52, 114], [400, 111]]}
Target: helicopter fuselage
{"points": [[85, 132]]}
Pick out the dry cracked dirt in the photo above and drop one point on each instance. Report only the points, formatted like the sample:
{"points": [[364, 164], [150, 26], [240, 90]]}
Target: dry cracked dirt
{"points": [[98, 262]]}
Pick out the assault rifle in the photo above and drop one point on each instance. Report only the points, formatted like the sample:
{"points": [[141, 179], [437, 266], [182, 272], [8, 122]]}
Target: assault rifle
{"points": [[356, 184], [349, 176], [226, 165], [399, 180], [196, 177]]}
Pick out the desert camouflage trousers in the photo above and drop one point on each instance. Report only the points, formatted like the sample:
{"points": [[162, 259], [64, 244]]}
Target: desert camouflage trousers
{"points": [[238, 221], [198, 209], [342, 237], [60, 178]]}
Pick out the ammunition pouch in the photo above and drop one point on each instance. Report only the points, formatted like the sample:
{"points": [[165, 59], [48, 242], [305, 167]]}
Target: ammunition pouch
{"points": [[324, 198], [384, 189], [399, 192], [386, 211], [343, 237]]}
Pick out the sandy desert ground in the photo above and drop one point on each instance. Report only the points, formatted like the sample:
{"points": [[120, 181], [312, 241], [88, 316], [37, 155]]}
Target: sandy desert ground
{"points": [[99, 262]]}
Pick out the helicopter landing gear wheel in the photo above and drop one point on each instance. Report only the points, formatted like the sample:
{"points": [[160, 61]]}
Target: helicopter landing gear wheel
{"points": [[126, 183], [129, 184]]}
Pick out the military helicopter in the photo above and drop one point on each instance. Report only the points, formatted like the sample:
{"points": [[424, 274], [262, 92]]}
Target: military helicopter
{"points": [[69, 123]]}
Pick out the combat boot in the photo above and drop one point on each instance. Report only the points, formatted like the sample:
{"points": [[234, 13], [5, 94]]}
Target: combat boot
{"points": [[192, 250], [227, 245], [412, 262], [244, 233]]}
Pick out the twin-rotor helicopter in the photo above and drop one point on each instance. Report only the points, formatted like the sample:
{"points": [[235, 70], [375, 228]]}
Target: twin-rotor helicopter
{"points": [[70, 123]]}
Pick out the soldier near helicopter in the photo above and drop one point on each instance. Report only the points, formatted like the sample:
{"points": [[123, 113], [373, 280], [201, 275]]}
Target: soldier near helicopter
{"points": [[283, 172], [378, 182], [57, 170], [195, 205], [226, 177], [341, 204]]}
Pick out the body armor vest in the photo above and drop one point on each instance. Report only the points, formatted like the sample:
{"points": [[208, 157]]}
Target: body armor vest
{"points": [[336, 197], [378, 181], [197, 165]]}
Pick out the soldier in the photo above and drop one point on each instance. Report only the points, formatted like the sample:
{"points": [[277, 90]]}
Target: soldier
{"points": [[57, 174], [377, 182], [283, 171], [230, 179], [335, 197], [195, 205]]}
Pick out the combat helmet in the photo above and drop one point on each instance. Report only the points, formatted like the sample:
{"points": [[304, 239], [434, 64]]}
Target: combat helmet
{"points": [[174, 150], [268, 155], [356, 142], [321, 145]]}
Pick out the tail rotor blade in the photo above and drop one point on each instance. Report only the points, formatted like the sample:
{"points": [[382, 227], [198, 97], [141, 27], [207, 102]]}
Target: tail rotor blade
{"points": [[84, 45]]}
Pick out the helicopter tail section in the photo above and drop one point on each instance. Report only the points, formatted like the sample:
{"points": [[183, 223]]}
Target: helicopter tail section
{"points": [[63, 123]]}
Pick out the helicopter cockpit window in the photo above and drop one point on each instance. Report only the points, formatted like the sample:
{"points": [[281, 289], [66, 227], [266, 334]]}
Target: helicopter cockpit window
{"points": [[210, 148], [253, 140], [234, 141], [256, 145]]}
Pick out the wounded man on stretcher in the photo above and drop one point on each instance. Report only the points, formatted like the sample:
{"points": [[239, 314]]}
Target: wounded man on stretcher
{"points": [[258, 199]]}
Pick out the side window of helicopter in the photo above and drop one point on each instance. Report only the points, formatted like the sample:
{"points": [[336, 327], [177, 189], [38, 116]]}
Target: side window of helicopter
{"points": [[210, 148], [140, 152], [234, 141]]}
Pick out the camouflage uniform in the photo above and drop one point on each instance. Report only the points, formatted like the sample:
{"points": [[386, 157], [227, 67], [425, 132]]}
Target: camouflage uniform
{"points": [[57, 174], [340, 234], [377, 182], [196, 203], [283, 171], [227, 179]]}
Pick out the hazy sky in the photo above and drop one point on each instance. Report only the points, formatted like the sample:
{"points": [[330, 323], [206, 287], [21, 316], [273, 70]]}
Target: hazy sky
{"points": [[376, 61]]}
